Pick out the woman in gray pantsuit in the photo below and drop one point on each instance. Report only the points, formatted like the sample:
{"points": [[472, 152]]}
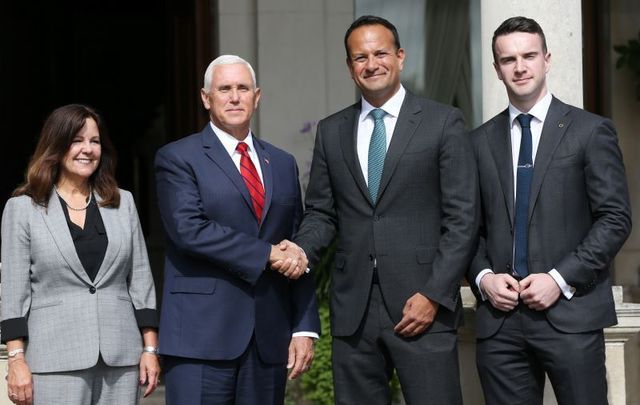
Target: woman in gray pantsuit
{"points": [[78, 301]]}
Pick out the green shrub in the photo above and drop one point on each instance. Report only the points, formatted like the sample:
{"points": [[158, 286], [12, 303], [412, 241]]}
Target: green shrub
{"points": [[316, 385]]}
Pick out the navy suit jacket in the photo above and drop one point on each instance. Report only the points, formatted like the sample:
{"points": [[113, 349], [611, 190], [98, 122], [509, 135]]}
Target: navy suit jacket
{"points": [[218, 289]]}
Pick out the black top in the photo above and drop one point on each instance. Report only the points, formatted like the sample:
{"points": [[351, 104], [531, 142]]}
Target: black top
{"points": [[90, 242], [91, 246]]}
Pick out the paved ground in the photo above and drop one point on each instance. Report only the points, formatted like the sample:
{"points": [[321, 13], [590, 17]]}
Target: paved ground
{"points": [[157, 398]]}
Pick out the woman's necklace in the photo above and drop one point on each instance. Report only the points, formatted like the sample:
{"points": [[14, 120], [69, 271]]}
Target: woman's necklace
{"points": [[74, 208]]}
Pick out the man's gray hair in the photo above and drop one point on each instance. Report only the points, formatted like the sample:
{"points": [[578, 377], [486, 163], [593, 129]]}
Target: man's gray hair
{"points": [[226, 60]]}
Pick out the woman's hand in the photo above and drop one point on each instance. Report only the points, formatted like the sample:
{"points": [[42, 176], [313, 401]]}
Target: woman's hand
{"points": [[149, 372], [19, 381]]}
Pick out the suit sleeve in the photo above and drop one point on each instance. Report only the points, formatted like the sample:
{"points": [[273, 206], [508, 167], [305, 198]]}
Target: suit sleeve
{"points": [[192, 232], [319, 225], [606, 186], [480, 260], [140, 280], [303, 292], [460, 213], [16, 263]]}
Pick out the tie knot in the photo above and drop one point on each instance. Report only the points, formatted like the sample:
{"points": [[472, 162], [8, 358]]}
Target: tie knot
{"points": [[524, 120], [242, 148], [377, 114]]}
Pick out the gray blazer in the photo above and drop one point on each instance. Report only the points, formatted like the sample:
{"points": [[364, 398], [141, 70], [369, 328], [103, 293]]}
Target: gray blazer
{"points": [[71, 320]]}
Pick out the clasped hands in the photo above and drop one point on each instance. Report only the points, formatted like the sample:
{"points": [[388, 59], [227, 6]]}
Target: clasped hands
{"points": [[288, 259], [538, 291]]}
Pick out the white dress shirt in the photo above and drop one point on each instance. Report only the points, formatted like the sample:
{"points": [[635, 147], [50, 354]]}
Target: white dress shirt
{"points": [[539, 113], [230, 143], [366, 123]]}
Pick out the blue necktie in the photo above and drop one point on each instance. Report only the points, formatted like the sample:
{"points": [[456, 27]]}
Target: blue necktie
{"points": [[523, 187], [377, 152]]}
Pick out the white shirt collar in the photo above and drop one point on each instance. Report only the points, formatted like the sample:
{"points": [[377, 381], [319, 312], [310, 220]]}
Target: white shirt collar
{"points": [[539, 110], [229, 142], [391, 107]]}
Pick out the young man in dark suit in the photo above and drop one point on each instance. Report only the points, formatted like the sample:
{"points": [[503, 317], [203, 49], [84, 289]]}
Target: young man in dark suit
{"points": [[555, 212]]}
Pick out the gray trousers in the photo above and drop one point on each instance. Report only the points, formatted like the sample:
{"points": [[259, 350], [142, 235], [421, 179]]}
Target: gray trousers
{"points": [[512, 363], [98, 385], [427, 365]]}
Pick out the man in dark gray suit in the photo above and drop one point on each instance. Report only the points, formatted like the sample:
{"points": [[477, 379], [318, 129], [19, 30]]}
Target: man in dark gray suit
{"points": [[393, 178], [555, 213]]}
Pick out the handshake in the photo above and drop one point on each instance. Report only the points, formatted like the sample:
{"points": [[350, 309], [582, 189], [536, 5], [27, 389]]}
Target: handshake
{"points": [[288, 259]]}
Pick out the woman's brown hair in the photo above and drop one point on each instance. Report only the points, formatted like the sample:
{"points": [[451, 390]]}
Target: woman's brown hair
{"points": [[58, 132]]}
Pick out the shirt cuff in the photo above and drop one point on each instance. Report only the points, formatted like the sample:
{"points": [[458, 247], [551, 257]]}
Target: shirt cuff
{"points": [[14, 328], [306, 334], [566, 289], [147, 318], [478, 278]]}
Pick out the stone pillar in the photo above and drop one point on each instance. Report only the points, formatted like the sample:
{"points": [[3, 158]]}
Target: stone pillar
{"points": [[624, 25], [469, 380], [296, 48], [623, 359]]}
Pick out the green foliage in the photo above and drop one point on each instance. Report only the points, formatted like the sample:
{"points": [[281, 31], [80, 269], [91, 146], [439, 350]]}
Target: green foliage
{"points": [[315, 387], [317, 383], [630, 57]]}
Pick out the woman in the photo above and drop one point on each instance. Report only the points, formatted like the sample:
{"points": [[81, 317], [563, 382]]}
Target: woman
{"points": [[78, 301]]}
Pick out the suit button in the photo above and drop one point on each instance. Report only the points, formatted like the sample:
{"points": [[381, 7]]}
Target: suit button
{"points": [[376, 218], [92, 290]]}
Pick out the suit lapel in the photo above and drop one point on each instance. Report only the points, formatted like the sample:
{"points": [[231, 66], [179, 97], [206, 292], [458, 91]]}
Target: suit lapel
{"points": [[115, 234], [553, 130], [57, 224], [217, 153], [499, 140], [348, 131], [267, 174], [408, 120]]}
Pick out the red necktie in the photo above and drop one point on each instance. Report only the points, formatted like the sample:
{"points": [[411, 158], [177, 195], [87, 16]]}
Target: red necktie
{"points": [[251, 179]]}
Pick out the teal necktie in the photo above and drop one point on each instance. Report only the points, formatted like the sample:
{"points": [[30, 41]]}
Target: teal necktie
{"points": [[377, 152]]}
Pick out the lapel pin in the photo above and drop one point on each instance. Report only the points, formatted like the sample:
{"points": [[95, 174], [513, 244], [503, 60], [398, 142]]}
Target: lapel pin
{"points": [[561, 125], [266, 160]]}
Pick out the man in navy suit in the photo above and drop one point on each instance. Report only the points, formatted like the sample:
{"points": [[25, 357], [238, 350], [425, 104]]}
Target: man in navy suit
{"points": [[237, 310], [555, 211]]}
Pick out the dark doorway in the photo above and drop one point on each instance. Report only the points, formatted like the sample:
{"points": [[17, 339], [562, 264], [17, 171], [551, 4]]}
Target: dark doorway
{"points": [[97, 53], [137, 62]]}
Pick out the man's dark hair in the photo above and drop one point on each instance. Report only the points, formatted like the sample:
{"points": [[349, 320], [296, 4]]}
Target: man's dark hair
{"points": [[518, 24], [371, 20]]}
